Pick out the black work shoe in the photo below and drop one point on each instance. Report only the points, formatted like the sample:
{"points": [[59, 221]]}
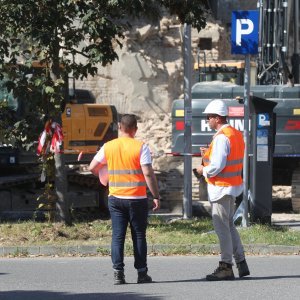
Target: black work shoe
{"points": [[143, 277], [223, 272], [119, 277], [243, 268]]}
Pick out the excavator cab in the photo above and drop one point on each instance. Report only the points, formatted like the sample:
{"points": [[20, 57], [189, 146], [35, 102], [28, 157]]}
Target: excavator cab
{"points": [[86, 127]]}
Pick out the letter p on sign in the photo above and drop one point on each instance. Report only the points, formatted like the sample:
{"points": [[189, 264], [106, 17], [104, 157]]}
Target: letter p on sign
{"points": [[244, 35], [240, 30]]}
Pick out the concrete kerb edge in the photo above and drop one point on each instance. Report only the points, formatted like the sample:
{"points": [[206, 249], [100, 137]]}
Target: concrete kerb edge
{"points": [[101, 250], [54, 250], [263, 249]]}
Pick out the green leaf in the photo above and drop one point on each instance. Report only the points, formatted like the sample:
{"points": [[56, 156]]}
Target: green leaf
{"points": [[49, 90], [38, 82]]}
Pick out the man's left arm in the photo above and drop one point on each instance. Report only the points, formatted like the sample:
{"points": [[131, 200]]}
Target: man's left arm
{"points": [[151, 182], [150, 178]]}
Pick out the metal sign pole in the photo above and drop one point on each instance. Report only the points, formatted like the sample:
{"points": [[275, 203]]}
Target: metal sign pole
{"points": [[244, 40], [187, 197], [245, 219]]}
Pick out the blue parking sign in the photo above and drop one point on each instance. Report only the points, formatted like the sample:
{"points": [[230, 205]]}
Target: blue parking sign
{"points": [[244, 32]]}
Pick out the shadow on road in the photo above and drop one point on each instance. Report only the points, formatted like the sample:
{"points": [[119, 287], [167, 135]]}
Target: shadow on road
{"points": [[236, 279], [186, 280], [47, 295], [271, 277]]}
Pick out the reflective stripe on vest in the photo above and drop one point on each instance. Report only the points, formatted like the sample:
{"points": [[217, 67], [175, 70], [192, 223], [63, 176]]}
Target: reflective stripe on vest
{"points": [[231, 174], [127, 184], [123, 162], [119, 172], [228, 163]]}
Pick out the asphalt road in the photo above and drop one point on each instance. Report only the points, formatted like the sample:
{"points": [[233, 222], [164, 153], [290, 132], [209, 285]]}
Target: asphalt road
{"points": [[176, 277]]}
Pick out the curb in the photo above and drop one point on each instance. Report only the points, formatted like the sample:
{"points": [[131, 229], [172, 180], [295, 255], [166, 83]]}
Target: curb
{"points": [[104, 250]]}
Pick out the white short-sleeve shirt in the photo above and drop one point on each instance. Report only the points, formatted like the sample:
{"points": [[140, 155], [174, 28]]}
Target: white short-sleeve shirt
{"points": [[145, 158]]}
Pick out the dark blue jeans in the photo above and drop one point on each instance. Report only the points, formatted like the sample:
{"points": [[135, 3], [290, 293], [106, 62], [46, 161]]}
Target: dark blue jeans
{"points": [[134, 212]]}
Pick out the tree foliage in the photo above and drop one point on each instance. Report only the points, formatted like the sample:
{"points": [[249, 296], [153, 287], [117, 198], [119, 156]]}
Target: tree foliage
{"points": [[51, 33], [40, 38]]}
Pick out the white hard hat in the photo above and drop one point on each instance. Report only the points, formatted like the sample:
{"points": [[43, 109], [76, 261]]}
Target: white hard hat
{"points": [[216, 107]]}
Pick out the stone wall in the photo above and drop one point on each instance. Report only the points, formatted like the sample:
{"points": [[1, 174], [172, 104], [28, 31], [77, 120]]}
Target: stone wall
{"points": [[145, 80], [149, 73], [156, 131]]}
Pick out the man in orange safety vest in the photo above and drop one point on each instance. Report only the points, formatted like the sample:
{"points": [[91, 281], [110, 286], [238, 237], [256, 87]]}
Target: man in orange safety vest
{"points": [[222, 164], [129, 166]]}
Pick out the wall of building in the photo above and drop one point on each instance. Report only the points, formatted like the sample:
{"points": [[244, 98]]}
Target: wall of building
{"points": [[149, 73]]}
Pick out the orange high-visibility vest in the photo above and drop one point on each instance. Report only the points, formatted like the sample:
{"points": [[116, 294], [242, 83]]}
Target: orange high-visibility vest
{"points": [[231, 174], [124, 169]]}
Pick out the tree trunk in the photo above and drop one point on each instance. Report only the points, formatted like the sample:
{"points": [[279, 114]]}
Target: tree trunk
{"points": [[61, 184], [63, 213]]}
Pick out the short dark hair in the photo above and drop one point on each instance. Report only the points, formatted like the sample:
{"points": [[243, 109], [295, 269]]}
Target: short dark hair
{"points": [[128, 122]]}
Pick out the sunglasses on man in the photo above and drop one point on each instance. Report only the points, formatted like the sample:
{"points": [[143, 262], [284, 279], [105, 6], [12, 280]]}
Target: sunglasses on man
{"points": [[208, 117]]}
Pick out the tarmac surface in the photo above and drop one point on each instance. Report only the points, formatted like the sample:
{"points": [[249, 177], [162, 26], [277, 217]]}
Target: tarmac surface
{"points": [[174, 277]]}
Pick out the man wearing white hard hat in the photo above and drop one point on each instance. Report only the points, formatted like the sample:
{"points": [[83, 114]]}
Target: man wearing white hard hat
{"points": [[222, 169]]}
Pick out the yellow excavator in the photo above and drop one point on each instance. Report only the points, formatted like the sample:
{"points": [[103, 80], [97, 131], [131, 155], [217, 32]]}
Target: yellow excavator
{"points": [[86, 126]]}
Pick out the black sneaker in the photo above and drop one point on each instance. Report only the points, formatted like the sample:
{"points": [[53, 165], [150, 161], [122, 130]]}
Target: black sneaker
{"points": [[119, 277], [223, 272], [143, 277], [243, 268]]}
